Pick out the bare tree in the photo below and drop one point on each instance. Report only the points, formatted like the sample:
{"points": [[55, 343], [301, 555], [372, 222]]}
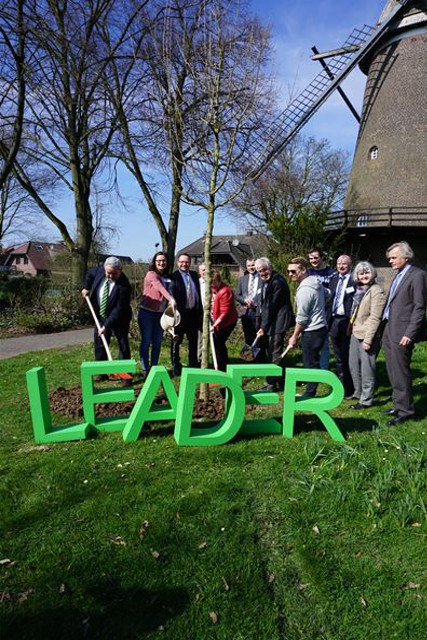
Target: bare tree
{"points": [[235, 98], [13, 83], [18, 218], [153, 94], [292, 199], [69, 123]]}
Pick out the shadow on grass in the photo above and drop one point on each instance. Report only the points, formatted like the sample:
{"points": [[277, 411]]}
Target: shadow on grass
{"points": [[116, 614]]}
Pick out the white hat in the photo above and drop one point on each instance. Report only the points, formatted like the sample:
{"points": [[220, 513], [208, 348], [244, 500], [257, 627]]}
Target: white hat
{"points": [[170, 319]]}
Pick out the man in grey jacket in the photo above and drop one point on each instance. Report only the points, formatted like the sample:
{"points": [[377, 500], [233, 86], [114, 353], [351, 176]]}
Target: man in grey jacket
{"points": [[311, 324]]}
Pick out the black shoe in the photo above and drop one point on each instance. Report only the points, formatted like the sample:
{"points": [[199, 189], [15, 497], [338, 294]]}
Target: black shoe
{"points": [[399, 420], [359, 405], [390, 412]]}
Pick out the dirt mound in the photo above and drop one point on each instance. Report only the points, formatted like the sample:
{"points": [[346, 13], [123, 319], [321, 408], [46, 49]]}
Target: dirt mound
{"points": [[69, 403]]}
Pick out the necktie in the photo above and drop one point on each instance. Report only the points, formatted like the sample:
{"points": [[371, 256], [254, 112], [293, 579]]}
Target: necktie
{"points": [[190, 297], [337, 298], [251, 287], [104, 299]]}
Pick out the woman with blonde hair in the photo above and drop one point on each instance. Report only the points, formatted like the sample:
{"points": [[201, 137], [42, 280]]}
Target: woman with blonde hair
{"points": [[368, 305]]}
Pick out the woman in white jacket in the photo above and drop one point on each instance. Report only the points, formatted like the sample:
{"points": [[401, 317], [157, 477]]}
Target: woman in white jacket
{"points": [[365, 321]]}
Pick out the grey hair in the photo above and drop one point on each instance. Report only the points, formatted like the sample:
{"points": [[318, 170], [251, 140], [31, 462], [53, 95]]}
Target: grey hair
{"points": [[365, 267], [405, 250], [263, 262], [113, 262]]}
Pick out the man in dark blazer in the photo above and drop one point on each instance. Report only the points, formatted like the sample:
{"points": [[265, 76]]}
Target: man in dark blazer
{"points": [[247, 294], [109, 291], [276, 315], [186, 291], [405, 324], [342, 288]]}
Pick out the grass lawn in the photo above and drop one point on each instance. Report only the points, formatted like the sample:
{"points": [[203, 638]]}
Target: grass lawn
{"points": [[260, 539]]}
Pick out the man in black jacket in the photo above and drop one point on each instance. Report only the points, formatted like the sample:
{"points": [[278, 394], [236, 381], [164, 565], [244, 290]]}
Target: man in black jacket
{"points": [[342, 288], [276, 315], [109, 291], [186, 291]]}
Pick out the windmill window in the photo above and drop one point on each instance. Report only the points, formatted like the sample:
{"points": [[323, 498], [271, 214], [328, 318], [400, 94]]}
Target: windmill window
{"points": [[373, 153]]}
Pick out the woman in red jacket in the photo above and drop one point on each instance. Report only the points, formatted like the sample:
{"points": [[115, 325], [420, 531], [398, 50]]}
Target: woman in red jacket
{"points": [[224, 317]]}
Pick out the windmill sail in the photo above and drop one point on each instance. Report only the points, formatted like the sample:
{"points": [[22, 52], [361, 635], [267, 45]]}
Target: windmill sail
{"points": [[283, 128]]}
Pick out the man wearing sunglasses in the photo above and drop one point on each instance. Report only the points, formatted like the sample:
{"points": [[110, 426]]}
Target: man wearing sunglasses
{"points": [[311, 324]]}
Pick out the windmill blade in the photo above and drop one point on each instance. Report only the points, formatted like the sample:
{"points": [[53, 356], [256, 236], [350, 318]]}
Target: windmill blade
{"points": [[286, 125]]}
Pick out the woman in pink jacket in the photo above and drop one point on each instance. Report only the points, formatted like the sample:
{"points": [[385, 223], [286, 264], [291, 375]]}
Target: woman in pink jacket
{"points": [[224, 317], [155, 297]]}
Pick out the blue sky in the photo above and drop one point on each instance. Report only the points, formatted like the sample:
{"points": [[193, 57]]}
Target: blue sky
{"points": [[297, 25]]}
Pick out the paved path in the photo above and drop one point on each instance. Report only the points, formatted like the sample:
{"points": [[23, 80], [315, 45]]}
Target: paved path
{"points": [[10, 347]]}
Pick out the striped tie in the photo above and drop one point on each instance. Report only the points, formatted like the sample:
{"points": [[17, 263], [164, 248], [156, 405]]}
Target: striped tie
{"points": [[104, 299], [337, 299]]}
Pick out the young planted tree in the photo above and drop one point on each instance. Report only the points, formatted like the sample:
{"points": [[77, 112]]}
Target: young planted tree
{"points": [[234, 98]]}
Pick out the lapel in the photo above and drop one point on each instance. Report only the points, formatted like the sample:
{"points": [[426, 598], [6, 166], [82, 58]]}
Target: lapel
{"points": [[399, 288]]}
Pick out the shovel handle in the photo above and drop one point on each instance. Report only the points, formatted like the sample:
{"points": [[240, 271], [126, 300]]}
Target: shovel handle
{"points": [[288, 348], [98, 326], [215, 361]]}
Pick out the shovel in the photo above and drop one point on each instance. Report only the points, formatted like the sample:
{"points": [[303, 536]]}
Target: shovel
{"points": [[250, 351], [280, 358], [122, 376]]}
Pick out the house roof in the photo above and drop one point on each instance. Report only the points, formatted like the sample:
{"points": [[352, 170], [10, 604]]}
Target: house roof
{"points": [[239, 247], [40, 254]]}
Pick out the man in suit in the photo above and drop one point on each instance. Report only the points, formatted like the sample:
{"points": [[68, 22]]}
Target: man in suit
{"points": [[276, 315], [186, 291], [342, 288], [109, 291], [247, 294], [404, 319]]}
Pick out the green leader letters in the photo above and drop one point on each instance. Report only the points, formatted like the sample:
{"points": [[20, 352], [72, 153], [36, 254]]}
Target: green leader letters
{"points": [[180, 407]]}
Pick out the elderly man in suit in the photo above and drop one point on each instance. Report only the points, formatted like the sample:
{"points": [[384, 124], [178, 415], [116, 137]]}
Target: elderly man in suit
{"points": [[276, 315], [247, 294], [404, 319], [109, 291], [186, 291], [342, 288]]}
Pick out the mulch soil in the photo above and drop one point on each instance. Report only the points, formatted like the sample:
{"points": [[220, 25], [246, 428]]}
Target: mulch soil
{"points": [[68, 402]]}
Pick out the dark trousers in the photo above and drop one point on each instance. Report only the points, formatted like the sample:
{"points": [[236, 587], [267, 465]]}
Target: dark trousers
{"points": [[274, 344], [398, 360], [189, 326], [249, 325], [341, 344], [220, 338], [121, 332], [312, 342]]}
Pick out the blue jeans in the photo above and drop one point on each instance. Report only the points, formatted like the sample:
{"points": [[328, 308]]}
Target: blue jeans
{"points": [[151, 333]]}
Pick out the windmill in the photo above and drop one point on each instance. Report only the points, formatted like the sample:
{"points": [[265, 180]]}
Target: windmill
{"points": [[387, 194]]}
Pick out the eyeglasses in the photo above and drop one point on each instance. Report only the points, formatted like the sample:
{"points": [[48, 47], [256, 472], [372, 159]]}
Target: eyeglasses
{"points": [[292, 271], [158, 261]]}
